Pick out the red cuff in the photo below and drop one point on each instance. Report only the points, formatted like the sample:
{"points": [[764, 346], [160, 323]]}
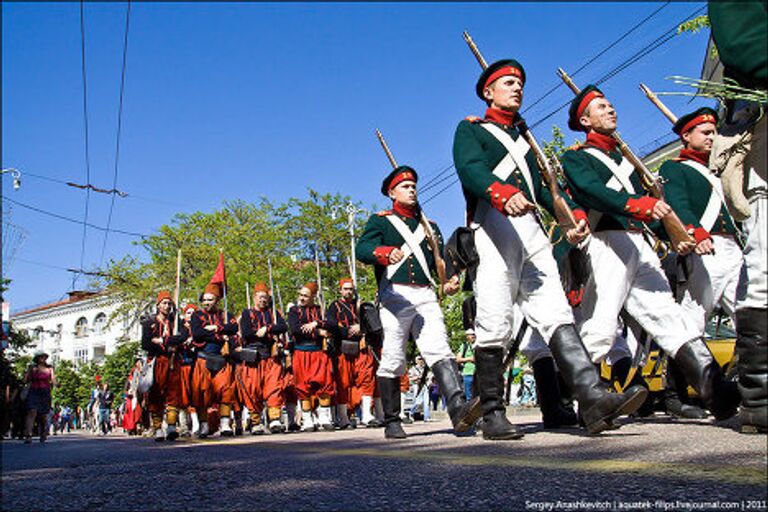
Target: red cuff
{"points": [[580, 215], [699, 234], [382, 254], [575, 296], [499, 193], [641, 208]]}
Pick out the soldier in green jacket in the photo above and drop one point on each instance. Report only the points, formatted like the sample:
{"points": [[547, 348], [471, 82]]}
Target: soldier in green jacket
{"points": [[740, 32], [625, 269], [503, 186], [395, 242]]}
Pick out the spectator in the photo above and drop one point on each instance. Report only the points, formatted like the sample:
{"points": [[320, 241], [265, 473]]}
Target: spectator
{"points": [[466, 361], [420, 396], [40, 378], [105, 399]]}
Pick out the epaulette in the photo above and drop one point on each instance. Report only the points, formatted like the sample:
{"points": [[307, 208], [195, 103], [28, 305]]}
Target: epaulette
{"points": [[678, 159], [384, 213], [473, 119], [576, 147]]}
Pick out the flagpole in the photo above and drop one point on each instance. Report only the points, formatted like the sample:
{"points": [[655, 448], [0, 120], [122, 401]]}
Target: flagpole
{"points": [[247, 295], [177, 292], [224, 289]]}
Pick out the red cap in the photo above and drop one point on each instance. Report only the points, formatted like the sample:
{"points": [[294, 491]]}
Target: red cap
{"points": [[164, 294]]}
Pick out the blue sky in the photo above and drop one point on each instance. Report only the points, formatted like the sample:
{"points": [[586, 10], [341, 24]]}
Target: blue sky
{"points": [[226, 101]]}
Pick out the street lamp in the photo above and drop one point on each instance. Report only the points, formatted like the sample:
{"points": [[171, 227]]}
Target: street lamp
{"points": [[352, 211], [16, 177]]}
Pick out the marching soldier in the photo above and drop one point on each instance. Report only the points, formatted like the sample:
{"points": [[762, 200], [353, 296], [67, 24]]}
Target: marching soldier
{"points": [[186, 351], [503, 186], [312, 368], [165, 393], [625, 269], [356, 366], [261, 370], [739, 30], [212, 381], [394, 241]]}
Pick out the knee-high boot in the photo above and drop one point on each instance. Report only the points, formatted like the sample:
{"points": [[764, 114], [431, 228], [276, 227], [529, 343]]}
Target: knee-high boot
{"points": [[390, 401], [463, 414], [597, 405], [705, 375], [490, 383], [752, 349], [553, 413]]}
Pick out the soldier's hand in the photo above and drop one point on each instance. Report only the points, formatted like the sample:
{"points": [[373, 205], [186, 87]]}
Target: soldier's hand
{"points": [[660, 210], [705, 247], [354, 329], [683, 248], [308, 328], [395, 256], [579, 233], [212, 328], [518, 205], [157, 341], [451, 286], [323, 333], [262, 331]]}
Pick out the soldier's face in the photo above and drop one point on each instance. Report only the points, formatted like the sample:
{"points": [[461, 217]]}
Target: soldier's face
{"points": [[305, 297], [209, 301], [700, 137], [188, 315], [404, 193], [348, 291], [164, 306], [505, 93], [261, 299], [599, 116]]}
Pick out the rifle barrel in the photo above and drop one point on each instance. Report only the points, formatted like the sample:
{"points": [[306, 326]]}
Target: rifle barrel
{"points": [[385, 147], [659, 104], [475, 51]]}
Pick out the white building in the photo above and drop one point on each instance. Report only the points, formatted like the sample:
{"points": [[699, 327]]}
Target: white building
{"points": [[81, 328]]}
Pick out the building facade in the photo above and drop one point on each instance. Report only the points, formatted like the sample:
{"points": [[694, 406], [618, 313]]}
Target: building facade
{"points": [[82, 328]]}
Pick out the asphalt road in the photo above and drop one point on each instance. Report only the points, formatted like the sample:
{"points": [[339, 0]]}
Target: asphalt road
{"points": [[654, 464]]}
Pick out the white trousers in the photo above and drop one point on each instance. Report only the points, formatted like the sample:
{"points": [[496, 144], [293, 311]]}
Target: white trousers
{"points": [[532, 345], [516, 268], [626, 272], [753, 287], [712, 281], [410, 311]]}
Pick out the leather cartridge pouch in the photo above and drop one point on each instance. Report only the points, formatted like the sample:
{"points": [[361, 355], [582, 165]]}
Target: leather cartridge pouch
{"points": [[350, 347], [213, 362], [246, 355]]}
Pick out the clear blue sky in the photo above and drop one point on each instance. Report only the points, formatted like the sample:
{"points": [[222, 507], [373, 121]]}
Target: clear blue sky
{"points": [[226, 101]]}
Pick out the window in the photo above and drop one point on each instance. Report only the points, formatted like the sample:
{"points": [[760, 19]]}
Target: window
{"points": [[100, 323], [81, 356], [81, 327]]}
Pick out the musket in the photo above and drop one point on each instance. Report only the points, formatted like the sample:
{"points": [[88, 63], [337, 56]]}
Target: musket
{"points": [[247, 296], [672, 223], [176, 293], [424, 221], [563, 211], [656, 101]]}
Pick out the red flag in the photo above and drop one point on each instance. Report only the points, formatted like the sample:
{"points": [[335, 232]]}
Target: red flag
{"points": [[220, 276]]}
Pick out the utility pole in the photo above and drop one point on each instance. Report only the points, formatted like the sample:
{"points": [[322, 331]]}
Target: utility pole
{"points": [[352, 212]]}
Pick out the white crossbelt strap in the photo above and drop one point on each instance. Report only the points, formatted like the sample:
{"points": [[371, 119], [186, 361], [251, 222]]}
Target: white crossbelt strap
{"points": [[619, 181], [716, 199], [412, 245], [515, 158]]}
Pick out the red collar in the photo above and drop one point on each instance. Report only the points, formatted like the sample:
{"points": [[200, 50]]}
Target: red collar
{"points": [[501, 116], [701, 157], [604, 142], [403, 210]]}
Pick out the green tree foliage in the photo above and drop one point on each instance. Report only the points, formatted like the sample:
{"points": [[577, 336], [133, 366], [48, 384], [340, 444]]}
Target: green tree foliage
{"points": [[69, 384], [87, 373], [20, 365], [117, 365], [696, 25]]}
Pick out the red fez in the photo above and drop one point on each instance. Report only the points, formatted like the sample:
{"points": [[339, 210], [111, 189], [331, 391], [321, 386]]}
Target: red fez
{"points": [[190, 306], [312, 287], [260, 288], [213, 289], [162, 296], [346, 280]]}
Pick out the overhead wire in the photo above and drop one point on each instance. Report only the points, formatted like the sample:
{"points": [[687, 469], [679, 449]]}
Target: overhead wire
{"points": [[87, 149], [119, 129]]}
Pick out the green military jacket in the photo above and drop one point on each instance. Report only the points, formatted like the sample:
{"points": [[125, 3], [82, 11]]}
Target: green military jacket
{"points": [[740, 31], [608, 209], [689, 193], [380, 237], [476, 153]]}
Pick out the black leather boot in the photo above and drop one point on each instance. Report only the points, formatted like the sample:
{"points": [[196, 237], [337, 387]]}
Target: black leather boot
{"points": [[620, 371], [597, 405], [703, 373], [390, 402], [490, 384], [752, 349], [553, 413], [463, 414], [676, 393]]}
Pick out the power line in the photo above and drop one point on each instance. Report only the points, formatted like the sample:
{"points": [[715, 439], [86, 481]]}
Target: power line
{"points": [[70, 219], [598, 55], [436, 176], [119, 129], [437, 183], [456, 180], [87, 151]]}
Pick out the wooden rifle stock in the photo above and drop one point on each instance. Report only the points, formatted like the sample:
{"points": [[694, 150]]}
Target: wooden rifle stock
{"points": [[563, 211], [672, 223], [656, 101], [424, 221]]}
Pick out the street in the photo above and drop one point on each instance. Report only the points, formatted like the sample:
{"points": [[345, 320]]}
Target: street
{"points": [[650, 464]]}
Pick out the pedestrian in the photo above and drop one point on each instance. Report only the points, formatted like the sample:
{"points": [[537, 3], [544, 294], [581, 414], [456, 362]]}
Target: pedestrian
{"points": [[104, 401], [40, 378]]}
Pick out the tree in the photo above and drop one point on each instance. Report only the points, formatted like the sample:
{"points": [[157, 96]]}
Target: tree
{"points": [[118, 364], [69, 382]]}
